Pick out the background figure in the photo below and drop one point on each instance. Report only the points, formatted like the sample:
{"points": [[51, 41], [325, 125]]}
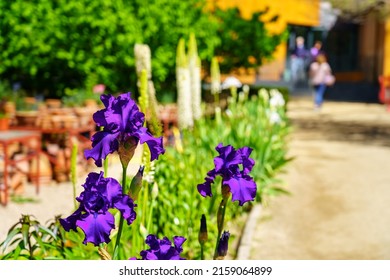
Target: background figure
{"points": [[318, 72], [315, 51], [298, 61]]}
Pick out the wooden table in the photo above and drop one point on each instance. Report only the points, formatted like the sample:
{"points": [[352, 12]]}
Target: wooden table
{"points": [[25, 138]]}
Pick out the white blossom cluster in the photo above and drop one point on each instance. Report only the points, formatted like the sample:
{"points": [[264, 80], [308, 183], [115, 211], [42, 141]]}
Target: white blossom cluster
{"points": [[275, 100]]}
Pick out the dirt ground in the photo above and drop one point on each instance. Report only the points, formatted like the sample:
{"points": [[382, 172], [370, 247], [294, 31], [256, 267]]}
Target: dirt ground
{"points": [[339, 184]]}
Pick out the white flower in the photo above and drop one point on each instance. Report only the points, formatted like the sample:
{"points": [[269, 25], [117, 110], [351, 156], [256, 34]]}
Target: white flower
{"points": [[229, 113], [274, 117], [263, 94], [215, 86], [276, 99], [241, 96], [149, 175], [245, 89], [231, 82]]}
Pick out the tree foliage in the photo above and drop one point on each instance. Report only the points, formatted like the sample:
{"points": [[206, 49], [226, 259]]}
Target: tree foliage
{"points": [[51, 45], [245, 42]]}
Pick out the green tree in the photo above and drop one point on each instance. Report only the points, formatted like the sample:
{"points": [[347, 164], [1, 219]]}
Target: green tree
{"points": [[53, 44], [245, 42]]}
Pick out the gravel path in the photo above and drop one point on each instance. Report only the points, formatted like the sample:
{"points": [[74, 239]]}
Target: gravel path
{"points": [[339, 184]]}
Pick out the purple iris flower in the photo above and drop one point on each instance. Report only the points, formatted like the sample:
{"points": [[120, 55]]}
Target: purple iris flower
{"points": [[162, 249], [122, 122], [100, 194], [233, 166], [223, 244]]}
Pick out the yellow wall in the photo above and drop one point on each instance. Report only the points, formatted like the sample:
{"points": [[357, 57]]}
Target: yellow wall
{"points": [[297, 12], [386, 51]]}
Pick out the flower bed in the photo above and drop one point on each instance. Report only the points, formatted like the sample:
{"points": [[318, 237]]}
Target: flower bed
{"points": [[173, 208]]}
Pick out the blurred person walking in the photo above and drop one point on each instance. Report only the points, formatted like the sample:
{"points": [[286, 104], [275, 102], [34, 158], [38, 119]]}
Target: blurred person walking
{"points": [[320, 78], [299, 58]]}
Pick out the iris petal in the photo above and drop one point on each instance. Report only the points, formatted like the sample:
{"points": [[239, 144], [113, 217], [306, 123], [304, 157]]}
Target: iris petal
{"points": [[111, 189], [69, 223], [205, 188], [126, 207], [97, 228], [178, 241], [243, 189], [99, 118], [247, 162], [228, 156], [233, 166], [100, 194], [121, 120], [103, 143], [155, 144], [162, 249]]}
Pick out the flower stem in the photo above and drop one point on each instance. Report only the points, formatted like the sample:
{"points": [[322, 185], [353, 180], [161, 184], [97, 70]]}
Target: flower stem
{"points": [[121, 219], [150, 216], [105, 167], [202, 251], [221, 220], [73, 171]]}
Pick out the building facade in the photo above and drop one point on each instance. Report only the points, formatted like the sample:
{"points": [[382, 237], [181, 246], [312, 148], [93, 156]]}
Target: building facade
{"points": [[292, 14], [357, 46]]}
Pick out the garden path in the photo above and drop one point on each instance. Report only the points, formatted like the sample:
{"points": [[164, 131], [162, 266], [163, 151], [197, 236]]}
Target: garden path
{"points": [[339, 185]]}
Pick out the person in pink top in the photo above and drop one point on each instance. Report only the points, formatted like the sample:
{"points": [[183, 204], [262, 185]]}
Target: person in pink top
{"points": [[319, 71]]}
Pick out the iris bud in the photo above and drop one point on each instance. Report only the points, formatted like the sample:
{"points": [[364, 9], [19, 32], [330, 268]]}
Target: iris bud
{"points": [[203, 236], [223, 245], [136, 183]]}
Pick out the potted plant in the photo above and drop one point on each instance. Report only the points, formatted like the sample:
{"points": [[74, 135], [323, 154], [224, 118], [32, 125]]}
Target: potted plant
{"points": [[27, 111], [80, 98]]}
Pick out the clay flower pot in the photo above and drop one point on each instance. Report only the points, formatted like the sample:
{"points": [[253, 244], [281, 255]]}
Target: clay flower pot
{"points": [[27, 118], [53, 103], [4, 123]]}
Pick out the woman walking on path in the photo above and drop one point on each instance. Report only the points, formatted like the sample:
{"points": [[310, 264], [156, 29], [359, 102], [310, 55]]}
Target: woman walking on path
{"points": [[320, 77]]}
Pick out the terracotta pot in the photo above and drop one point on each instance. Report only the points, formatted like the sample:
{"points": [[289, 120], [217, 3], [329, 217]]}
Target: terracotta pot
{"points": [[27, 118], [70, 121], [56, 121], [60, 172], [53, 103], [4, 123], [18, 182], [45, 170], [84, 115]]}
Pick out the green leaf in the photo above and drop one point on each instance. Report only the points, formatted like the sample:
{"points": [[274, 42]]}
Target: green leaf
{"points": [[10, 236]]}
